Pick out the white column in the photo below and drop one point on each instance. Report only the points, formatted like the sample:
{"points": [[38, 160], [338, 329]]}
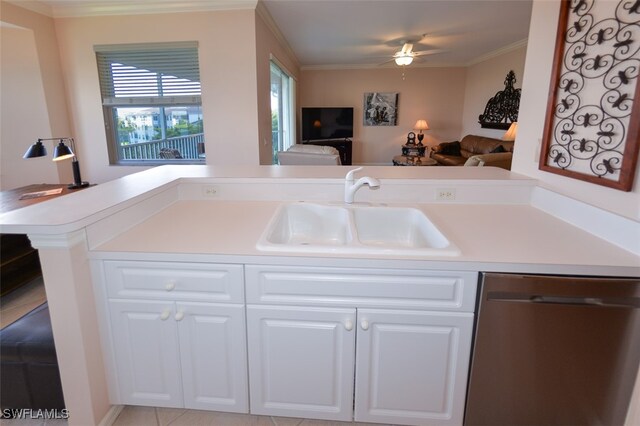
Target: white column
{"points": [[67, 281]]}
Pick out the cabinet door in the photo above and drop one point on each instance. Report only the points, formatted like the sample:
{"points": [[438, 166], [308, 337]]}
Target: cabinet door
{"points": [[301, 361], [214, 356], [145, 343], [412, 367]]}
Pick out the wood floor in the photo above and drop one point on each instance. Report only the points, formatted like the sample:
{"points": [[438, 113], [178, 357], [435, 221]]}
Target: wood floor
{"points": [[21, 301]]}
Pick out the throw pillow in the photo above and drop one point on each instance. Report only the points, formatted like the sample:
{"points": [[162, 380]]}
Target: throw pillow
{"points": [[497, 149], [450, 148]]}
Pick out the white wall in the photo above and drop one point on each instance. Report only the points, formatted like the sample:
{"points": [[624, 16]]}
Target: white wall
{"points": [[484, 80], [227, 55], [33, 98], [430, 93], [24, 116], [535, 89]]}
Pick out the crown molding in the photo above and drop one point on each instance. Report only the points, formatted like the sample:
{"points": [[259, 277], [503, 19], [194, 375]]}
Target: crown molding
{"points": [[77, 9], [263, 12], [498, 52]]}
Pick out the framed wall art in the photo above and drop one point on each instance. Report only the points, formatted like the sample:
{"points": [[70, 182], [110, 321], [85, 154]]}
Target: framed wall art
{"points": [[380, 109], [593, 113]]}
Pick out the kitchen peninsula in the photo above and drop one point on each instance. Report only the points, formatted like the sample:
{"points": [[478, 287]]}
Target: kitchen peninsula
{"points": [[194, 230]]}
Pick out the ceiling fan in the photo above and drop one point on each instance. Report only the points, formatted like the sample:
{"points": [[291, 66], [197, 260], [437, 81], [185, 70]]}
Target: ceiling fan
{"points": [[406, 55]]}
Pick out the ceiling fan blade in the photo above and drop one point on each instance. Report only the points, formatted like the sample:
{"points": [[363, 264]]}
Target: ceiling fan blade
{"points": [[386, 62], [428, 52]]}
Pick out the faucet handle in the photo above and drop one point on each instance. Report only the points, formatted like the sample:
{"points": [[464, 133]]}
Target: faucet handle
{"points": [[350, 173]]}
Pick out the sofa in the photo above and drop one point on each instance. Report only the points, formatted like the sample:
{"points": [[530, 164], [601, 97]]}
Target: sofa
{"points": [[309, 155], [476, 151]]}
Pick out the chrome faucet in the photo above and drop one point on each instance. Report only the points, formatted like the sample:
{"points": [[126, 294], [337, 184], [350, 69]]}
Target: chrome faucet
{"points": [[351, 188]]}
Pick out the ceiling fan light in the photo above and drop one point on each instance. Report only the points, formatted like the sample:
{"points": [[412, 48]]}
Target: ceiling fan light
{"points": [[404, 60]]}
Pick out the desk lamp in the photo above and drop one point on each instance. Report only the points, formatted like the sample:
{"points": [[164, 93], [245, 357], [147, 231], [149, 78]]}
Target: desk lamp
{"points": [[61, 152]]}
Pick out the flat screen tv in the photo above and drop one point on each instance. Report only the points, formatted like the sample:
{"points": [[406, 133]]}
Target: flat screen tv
{"points": [[327, 123]]}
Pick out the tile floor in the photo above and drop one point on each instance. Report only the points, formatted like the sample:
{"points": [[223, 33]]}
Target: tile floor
{"points": [[20, 301], [143, 416], [150, 416]]}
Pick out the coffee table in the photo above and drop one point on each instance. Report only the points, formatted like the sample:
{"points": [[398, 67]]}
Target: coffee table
{"points": [[410, 160]]}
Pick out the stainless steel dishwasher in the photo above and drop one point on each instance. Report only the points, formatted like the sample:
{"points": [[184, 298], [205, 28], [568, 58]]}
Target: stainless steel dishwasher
{"points": [[554, 350]]}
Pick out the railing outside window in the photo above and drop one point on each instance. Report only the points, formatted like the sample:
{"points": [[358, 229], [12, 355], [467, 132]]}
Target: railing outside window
{"points": [[190, 148]]}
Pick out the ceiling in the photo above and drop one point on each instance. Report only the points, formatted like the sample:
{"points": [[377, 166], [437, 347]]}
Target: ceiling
{"points": [[354, 33], [357, 33]]}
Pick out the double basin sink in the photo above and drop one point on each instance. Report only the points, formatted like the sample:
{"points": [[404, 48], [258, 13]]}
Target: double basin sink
{"points": [[324, 228]]}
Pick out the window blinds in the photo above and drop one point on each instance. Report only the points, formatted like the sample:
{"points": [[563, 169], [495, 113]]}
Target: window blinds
{"points": [[149, 74]]}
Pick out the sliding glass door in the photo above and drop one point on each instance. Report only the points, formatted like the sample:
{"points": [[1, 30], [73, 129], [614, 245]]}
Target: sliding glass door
{"points": [[282, 110]]}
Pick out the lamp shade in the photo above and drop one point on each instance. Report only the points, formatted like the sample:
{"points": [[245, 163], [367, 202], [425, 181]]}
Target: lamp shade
{"points": [[62, 152], [36, 150], [510, 135], [421, 125], [404, 60]]}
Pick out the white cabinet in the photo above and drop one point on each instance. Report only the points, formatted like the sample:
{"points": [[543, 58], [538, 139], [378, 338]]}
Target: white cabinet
{"points": [[146, 350], [411, 365], [301, 361], [173, 352]]}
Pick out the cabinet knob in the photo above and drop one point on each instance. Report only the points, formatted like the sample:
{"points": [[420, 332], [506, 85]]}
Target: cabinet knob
{"points": [[348, 325], [364, 324], [179, 316], [170, 286], [165, 314]]}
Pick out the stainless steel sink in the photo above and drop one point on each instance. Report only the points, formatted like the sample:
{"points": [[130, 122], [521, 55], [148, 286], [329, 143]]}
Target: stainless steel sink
{"points": [[322, 228]]}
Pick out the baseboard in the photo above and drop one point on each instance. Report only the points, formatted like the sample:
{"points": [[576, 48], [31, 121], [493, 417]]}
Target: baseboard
{"points": [[111, 415]]}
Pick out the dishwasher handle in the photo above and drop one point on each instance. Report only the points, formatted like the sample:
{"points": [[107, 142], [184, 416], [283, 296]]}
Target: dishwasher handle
{"points": [[611, 302]]}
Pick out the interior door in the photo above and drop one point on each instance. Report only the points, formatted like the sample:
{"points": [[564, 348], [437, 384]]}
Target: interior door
{"points": [[412, 366], [301, 361], [214, 356], [145, 342]]}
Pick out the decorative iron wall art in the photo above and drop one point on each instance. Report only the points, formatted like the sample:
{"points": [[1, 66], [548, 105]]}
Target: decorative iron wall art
{"points": [[502, 109], [380, 109], [593, 114]]}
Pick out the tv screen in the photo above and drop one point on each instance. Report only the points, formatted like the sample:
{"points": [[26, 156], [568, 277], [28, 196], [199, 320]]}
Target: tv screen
{"points": [[327, 123]]}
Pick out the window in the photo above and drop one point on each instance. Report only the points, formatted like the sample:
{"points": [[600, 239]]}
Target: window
{"points": [[282, 110], [152, 104]]}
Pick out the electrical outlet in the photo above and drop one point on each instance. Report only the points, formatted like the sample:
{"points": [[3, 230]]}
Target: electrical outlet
{"points": [[209, 191], [445, 194]]}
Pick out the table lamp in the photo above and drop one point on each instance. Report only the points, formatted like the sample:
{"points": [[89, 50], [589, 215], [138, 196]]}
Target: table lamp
{"points": [[421, 125], [61, 152], [510, 135]]}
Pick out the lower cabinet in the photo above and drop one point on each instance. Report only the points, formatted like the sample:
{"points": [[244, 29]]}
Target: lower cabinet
{"points": [[372, 345], [410, 366], [180, 354]]}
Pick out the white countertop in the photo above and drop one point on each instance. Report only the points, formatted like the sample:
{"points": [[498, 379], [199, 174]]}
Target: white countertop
{"points": [[77, 210], [499, 237], [162, 214]]}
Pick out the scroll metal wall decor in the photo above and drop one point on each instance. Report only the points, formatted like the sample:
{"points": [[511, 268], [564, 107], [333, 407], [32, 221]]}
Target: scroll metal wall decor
{"points": [[502, 109], [593, 113]]}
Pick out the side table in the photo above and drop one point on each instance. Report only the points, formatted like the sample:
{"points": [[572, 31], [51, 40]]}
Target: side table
{"points": [[411, 160]]}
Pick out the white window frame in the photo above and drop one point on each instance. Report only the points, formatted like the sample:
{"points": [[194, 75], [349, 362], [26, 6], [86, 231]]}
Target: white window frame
{"points": [[172, 65]]}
